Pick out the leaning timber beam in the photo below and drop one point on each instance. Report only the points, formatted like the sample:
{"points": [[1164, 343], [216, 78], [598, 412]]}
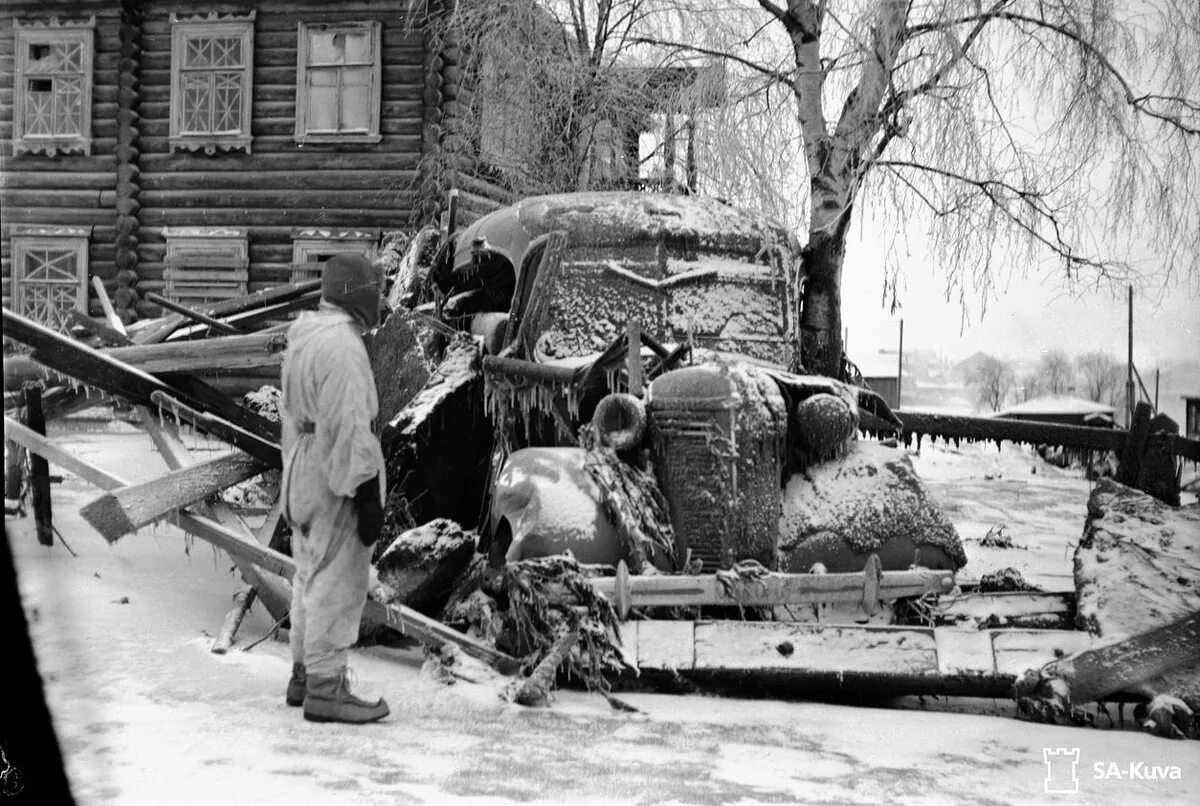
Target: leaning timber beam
{"points": [[196, 316], [255, 351], [806, 658], [273, 590], [121, 512], [78, 321], [768, 590], [253, 434], [250, 320], [1048, 694], [227, 308], [36, 443]]}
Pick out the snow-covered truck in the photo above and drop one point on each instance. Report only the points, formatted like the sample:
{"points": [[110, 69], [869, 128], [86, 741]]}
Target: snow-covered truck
{"points": [[711, 403]]}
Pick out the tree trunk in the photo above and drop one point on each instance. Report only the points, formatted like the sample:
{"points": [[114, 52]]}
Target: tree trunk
{"points": [[821, 307]]}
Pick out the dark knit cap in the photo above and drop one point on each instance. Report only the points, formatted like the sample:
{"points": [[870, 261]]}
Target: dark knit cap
{"points": [[350, 281]]}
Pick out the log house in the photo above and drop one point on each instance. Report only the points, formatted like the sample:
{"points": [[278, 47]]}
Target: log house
{"points": [[213, 149]]}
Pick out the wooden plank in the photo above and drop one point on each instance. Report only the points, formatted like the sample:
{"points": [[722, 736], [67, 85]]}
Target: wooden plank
{"points": [[246, 430], [273, 590], [667, 645], [868, 658], [121, 512], [1112, 666], [771, 589], [753, 645], [254, 351], [223, 310], [36, 443], [1018, 608]]}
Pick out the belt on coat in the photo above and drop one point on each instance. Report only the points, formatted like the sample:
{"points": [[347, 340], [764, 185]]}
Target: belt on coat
{"points": [[307, 427]]}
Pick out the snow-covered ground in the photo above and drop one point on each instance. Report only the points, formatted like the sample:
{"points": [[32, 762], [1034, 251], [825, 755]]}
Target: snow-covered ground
{"points": [[146, 714]]}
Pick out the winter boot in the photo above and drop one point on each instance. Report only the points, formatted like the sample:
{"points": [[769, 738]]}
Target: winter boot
{"points": [[329, 699], [297, 685]]}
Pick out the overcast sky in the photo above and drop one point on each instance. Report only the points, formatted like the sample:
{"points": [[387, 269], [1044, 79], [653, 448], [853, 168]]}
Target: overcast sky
{"points": [[1028, 315]]}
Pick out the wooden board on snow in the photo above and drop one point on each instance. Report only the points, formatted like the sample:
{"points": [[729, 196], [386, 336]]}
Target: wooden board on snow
{"points": [[893, 659]]}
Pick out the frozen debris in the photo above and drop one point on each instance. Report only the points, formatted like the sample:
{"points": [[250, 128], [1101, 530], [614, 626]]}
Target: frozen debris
{"points": [[420, 566], [1007, 580], [998, 538], [1136, 568], [264, 401]]}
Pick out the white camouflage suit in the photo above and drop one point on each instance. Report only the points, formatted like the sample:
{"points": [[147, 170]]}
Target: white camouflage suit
{"points": [[327, 381]]}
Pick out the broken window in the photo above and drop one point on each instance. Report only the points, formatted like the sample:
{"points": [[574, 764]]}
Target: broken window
{"points": [[52, 98], [212, 65], [338, 82]]}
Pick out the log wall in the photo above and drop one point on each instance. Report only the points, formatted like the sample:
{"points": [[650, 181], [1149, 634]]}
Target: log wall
{"points": [[280, 185], [68, 189], [132, 185]]}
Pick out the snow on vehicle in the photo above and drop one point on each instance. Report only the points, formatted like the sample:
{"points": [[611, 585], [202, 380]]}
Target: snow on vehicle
{"points": [[555, 285]]}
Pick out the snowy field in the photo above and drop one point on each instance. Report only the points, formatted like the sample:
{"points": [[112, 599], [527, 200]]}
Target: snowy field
{"points": [[146, 714]]}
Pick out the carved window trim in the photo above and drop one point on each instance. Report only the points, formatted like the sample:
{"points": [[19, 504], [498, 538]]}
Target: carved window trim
{"points": [[312, 246], [307, 67], [28, 240], [183, 33], [29, 37]]}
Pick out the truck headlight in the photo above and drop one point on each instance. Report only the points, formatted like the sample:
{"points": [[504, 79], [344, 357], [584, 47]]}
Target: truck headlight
{"points": [[620, 421]]}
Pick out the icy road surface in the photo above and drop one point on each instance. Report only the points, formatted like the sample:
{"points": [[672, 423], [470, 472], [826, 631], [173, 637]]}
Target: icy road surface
{"points": [[147, 715]]}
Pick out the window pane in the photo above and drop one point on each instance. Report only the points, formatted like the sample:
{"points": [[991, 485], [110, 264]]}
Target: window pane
{"points": [[197, 103], [322, 106], [227, 100], [227, 52], [68, 105], [198, 53], [39, 109], [356, 100], [358, 48], [326, 47]]}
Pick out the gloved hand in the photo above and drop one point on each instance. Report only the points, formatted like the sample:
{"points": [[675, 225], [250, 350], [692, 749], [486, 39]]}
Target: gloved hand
{"points": [[370, 511]]}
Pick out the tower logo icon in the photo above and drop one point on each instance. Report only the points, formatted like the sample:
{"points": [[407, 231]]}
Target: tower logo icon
{"points": [[1061, 770]]}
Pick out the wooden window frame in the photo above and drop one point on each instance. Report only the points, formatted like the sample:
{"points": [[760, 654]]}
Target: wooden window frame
{"points": [[309, 243], [184, 30], [205, 263], [371, 135], [53, 32], [68, 240]]}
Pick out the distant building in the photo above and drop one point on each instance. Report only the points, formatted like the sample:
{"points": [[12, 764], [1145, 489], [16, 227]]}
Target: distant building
{"points": [[881, 372], [1062, 409], [1192, 416]]}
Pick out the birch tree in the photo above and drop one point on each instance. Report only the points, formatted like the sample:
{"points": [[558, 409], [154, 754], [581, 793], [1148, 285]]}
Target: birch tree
{"points": [[1050, 133]]}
